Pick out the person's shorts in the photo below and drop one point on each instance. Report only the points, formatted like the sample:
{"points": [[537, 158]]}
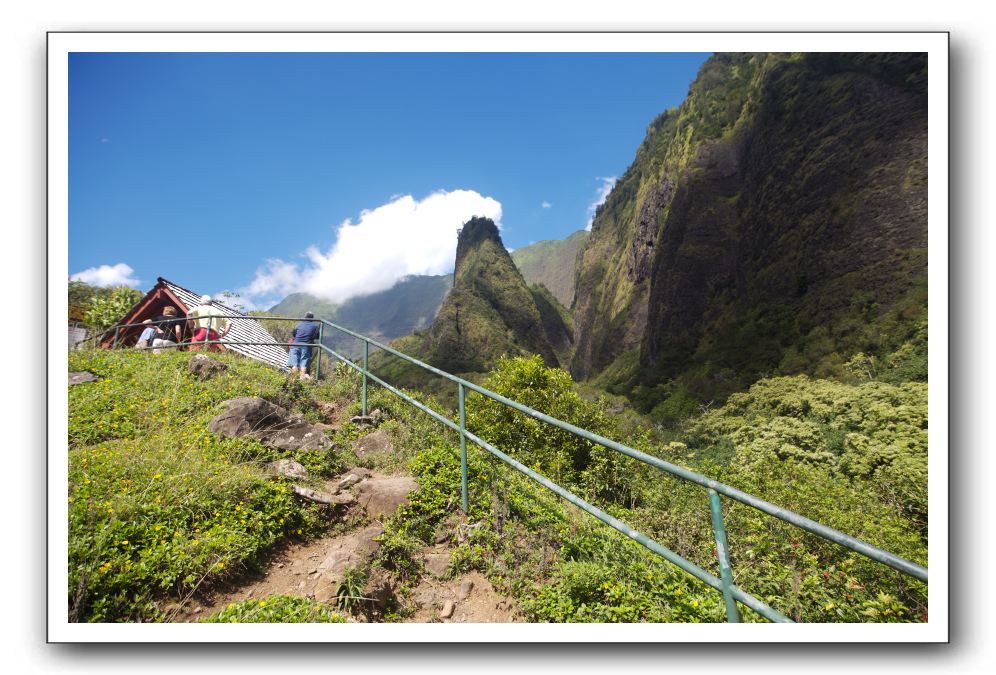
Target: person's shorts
{"points": [[200, 335], [299, 357], [158, 342]]}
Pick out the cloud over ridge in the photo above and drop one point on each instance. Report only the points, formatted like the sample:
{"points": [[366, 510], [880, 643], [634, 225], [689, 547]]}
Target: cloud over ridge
{"points": [[402, 237]]}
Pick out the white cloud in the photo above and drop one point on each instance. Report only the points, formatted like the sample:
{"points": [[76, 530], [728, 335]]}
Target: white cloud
{"points": [[608, 182], [107, 275], [545, 205], [388, 242]]}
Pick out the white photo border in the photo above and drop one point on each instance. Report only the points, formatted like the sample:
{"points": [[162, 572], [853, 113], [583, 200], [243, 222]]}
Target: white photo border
{"points": [[935, 44]]}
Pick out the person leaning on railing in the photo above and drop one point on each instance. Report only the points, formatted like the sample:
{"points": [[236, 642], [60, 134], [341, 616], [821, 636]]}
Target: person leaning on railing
{"points": [[305, 332], [203, 320]]}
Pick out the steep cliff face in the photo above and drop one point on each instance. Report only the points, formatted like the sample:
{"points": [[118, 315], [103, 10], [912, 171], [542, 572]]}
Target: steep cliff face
{"points": [[786, 197], [490, 310], [615, 267]]}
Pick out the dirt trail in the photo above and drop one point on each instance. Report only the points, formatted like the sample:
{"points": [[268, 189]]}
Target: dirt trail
{"points": [[315, 569]]}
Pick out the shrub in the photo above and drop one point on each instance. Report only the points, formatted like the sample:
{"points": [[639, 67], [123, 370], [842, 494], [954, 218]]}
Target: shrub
{"points": [[276, 609]]}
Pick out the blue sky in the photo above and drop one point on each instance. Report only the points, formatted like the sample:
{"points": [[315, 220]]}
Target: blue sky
{"points": [[337, 173]]}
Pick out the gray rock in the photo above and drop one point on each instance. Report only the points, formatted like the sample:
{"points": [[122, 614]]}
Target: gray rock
{"points": [[80, 378], [437, 563], [375, 444], [379, 588], [204, 366], [349, 481], [247, 415], [288, 468], [382, 496], [373, 418], [322, 497], [353, 551], [448, 608], [271, 424], [465, 589]]}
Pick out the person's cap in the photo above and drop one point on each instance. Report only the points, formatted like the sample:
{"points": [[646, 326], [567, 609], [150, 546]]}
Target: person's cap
{"points": [[205, 298], [309, 315]]}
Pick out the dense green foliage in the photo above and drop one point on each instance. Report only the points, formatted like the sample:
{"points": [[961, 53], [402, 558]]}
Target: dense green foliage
{"points": [[552, 263], [158, 506], [276, 609], [100, 307], [813, 446]]}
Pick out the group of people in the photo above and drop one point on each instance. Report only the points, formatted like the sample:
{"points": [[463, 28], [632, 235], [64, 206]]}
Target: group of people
{"points": [[168, 330]]}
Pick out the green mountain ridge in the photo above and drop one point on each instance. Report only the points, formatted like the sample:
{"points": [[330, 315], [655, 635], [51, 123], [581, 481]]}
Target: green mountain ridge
{"points": [[553, 263], [491, 312], [409, 305]]}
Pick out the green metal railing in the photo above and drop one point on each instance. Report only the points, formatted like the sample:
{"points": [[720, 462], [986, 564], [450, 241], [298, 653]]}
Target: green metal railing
{"points": [[732, 594]]}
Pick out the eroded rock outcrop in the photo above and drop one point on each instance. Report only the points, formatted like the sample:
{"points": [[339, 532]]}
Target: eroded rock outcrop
{"points": [[268, 422]]}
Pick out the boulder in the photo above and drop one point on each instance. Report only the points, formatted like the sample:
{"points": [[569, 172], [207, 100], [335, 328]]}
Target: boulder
{"points": [[247, 415], [375, 444], [373, 418], [204, 366], [437, 563], [349, 481], [382, 496], [447, 611], [271, 424], [322, 497], [355, 550], [465, 589], [287, 468], [80, 378], [379, 589]]}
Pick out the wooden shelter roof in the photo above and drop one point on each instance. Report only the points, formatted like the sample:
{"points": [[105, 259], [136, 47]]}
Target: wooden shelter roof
{"points": [[166, 292]]}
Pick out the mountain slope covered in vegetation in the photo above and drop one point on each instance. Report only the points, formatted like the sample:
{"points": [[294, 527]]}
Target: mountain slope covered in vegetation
{"points": [[490, 311], [552, 263], [774, 223]]}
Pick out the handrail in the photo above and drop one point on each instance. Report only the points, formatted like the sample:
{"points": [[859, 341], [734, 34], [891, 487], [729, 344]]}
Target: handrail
{"points": [[724, 584]]}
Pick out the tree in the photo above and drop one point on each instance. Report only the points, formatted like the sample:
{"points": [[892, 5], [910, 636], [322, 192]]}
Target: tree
{"points": [[108, 306]]}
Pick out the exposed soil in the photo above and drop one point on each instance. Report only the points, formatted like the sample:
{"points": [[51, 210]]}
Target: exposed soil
{"points": [[482, 605], [314, 569]]}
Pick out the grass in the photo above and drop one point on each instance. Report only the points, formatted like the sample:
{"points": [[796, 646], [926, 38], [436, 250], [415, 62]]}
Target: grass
{"points": [[158, 506]]}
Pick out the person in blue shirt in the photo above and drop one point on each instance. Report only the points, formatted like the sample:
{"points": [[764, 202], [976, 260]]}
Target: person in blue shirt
{"points": [[305, 332]]}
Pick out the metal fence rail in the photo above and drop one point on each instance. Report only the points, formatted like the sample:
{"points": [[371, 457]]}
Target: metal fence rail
{"points": [[724, 583]]}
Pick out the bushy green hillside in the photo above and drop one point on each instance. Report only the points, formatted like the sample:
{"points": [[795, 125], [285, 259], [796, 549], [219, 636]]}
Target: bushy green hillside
{"points": [[552, 263], [159, 506], [812, 446]]}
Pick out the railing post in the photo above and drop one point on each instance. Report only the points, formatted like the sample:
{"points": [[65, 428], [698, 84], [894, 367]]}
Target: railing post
{"points": [[318, 355], [463, 449], [366, 354], [117, 331], [207, 335], [723, 554]]}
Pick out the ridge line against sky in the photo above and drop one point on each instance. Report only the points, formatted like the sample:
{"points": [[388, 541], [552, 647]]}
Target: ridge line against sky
{"points": [[338, 174]]}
